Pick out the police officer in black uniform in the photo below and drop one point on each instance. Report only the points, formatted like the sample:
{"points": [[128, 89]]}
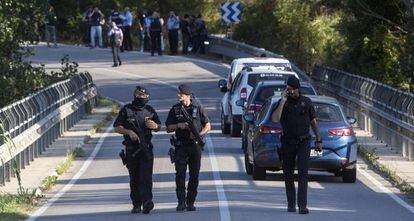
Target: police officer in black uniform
{"points": [[136, 121], [187, 151], [296, 114], [155, 34]]}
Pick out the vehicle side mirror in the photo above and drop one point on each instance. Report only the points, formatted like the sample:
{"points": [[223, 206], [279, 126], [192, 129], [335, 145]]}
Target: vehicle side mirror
{"points": [[240, 103], [249, 118], [222, 84], [351, 120]]}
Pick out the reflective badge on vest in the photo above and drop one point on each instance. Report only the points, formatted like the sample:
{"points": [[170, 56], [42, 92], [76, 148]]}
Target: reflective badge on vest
{"points": [[195, 113], [178, 113]]}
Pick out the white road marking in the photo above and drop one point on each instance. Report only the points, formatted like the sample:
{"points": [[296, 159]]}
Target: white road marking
{"points": [[74, 179], [221, 194], [387, 191]]}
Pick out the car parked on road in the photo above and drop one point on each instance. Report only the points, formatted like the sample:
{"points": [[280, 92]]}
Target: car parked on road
{"points": [[231, 113], [339, 154], [261, 92]]}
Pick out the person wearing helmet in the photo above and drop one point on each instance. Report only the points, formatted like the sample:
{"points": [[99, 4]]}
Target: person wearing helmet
{"points": [[135, 122]]}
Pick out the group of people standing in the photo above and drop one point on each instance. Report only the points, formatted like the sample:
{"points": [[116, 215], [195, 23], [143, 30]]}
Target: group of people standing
{"points": [[150, 27]]}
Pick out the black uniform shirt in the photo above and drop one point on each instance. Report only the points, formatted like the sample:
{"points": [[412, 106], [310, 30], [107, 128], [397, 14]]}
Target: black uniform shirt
{"points": [[124, 120], [175, 116], [184, 27], [296, 117]]}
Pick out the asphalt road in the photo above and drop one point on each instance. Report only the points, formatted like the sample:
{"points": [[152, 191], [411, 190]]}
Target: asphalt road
{"points": [[101, 190]]}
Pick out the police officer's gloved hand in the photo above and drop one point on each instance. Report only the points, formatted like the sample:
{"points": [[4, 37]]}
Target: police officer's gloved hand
{"points": [[318, 146]]}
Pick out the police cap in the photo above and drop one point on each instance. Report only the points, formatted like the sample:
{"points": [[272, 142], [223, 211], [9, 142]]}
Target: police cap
{"points": [[184, 89]]}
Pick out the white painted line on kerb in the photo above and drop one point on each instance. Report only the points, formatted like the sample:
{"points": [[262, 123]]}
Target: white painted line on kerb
{"points": [[387, 191], [221, 194], [75, 178], [223, 205]]}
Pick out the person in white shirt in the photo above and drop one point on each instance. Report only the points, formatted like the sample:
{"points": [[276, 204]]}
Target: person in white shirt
{"points": [[173, 25], [116, 38]]}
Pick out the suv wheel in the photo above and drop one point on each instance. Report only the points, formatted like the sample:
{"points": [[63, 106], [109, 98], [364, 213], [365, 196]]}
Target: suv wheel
{"points": [[225, 127], [235, 128], [349, 176], [247, 165]]}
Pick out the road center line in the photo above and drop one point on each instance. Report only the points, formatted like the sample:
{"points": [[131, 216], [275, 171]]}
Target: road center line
{"points": [[75, 178], [221, 194]]}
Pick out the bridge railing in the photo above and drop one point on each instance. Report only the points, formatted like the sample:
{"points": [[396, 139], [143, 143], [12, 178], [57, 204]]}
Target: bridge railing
{"points": [[385, 112], [34, 122], [382, 110]]}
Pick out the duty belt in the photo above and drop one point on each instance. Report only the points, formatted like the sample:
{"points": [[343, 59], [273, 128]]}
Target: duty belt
{"points": [[185, 143], [298, 138]]}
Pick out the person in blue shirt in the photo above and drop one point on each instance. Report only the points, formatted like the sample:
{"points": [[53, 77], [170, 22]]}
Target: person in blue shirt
{"points": [[127, 24], [173, 25]]}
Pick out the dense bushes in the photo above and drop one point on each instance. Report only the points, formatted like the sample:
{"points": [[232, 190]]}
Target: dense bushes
{"points": [[17, 26], [365, 37]]}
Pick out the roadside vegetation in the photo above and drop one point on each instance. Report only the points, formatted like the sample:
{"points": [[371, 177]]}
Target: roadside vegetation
{"points": [[371, 158], [374, 39]]}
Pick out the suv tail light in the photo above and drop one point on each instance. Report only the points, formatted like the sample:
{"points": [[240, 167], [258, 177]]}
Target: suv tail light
{"points": [[341, 132], [254, 107], [243, 94], [269, 130]]}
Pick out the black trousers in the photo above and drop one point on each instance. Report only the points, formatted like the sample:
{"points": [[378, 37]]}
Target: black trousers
{"points": [[140, 170], [127, 42], [186, 43], [198, 43], [173, 40], [88, 34], [147, 42], [301, 151], [187, 155], [115, 55], [155, 42]]}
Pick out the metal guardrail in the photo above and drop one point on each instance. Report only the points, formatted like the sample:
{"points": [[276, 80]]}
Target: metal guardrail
{"points": [[34, 122], [385, 112]]}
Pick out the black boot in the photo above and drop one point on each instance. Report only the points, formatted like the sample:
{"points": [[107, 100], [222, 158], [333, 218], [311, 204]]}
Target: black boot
{"points": [[191, 207], [291, 209], [136, 209], [303, 210], [181, 206], [147, 207]]}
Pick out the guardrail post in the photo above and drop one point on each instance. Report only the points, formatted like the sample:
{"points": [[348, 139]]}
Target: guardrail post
{"points": [[8, 171], [2, 175]]}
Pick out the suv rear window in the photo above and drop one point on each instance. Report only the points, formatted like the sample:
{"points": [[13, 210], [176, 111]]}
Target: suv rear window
{"points": [[327, 113], [268, 91], [254, 78]]}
